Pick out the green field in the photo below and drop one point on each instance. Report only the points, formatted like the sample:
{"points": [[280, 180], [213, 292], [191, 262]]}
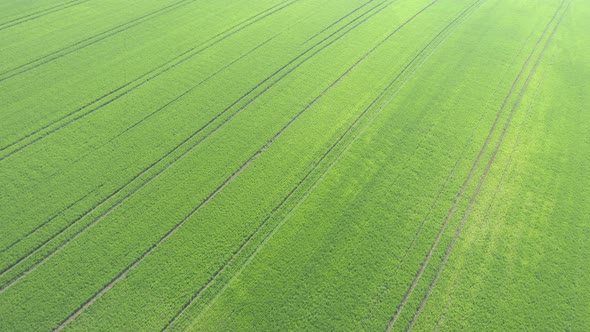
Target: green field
{"points": [[306, 165]]}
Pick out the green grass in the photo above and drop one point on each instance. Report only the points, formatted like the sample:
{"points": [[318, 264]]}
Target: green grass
{"points": [[294, 165]]}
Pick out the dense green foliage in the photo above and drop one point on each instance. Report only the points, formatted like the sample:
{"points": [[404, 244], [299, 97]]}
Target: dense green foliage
{"points": [[294, 165]]}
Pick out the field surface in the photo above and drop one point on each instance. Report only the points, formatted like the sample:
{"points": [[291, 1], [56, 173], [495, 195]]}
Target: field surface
{"points": [[261, 165]]}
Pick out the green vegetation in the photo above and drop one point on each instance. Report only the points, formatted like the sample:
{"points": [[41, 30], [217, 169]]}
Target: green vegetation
{"points": [[294, 165]]}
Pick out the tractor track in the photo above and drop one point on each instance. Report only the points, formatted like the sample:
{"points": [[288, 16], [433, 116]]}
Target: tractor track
{"points": [[166, 105], [511, 158], [117, 204], [124, 273], [153, 113], [487, 170], [426, 260], [454, 24], [39, 14], [292, 192], [36, 229], [40, 130], [137, 123], [47, 58], [145, 78], [389, 3], [342, 18]]}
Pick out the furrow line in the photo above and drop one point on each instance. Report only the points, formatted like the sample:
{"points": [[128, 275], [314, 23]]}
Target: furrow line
{"points": [[362, 15], [104, 96], [353, 126], [124, 273], [188, 91], [468, 179], [47, 58], [104, 214], [145, 78], [46, 12], [486, 172], [293, 190]]}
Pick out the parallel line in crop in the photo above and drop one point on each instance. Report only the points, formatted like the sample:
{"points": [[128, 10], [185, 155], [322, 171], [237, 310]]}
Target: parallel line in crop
{"points": [[43, 61], [183, 94], [314, 168], [91, 210], [469, 177], [443, 35], [341, 19], [494, 197], [46, 222], [147, 77], [182, 143], [512, 153], [124, 273], [39, 14], [177, 98], [72, 48], [210, 77], [314, 184], [389, 3], [232, 104], [455, 23], [50, 57], [441, 191], [185, 142], [486, 172]]}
